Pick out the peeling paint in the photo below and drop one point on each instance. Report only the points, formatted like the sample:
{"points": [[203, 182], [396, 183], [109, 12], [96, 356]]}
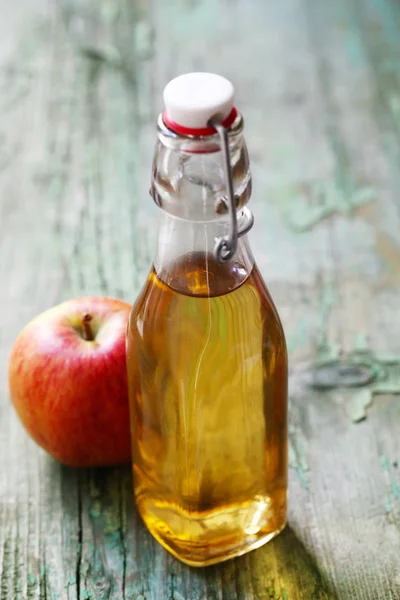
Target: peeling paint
{"points": [[327, 352], [343, 373], [392, 495], [332, 370], [297, 459], [388, 504], [328, 299], [298, 338], [359, 403], [70, 583], [322, 200], [395, 488]]}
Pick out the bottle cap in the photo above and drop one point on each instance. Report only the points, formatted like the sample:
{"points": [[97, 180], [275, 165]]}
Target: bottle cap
{"points": [[191, 100]]}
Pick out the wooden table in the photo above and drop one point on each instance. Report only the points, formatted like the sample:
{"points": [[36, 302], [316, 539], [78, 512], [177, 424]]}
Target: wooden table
{"points": [[319, 84]]}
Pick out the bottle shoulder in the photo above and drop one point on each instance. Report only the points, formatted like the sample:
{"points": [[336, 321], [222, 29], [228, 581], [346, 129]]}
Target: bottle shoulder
{"points": [[259, 283], [269, 310], [223, 293]]}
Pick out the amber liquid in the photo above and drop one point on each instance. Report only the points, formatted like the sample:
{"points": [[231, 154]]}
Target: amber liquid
{"points": [[207, 370]]}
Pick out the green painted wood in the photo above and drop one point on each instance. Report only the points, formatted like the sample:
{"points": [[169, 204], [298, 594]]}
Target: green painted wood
{"points": [[319, 84]]}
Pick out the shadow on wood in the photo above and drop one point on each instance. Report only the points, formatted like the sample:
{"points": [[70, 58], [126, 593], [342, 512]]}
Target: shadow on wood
{"points": [[281, 570], [116, 557]]}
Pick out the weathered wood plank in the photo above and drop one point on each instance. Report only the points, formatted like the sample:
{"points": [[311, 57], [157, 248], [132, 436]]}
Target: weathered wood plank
{"points": [[319, 83], [360, 290]]}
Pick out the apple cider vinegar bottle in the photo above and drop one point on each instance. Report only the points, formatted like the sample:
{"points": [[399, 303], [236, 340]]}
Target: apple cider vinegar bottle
{"points": [[207, 362]]}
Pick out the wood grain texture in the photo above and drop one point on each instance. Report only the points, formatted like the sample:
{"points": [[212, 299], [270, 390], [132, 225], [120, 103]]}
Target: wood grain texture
{"points": [[319, 85]]}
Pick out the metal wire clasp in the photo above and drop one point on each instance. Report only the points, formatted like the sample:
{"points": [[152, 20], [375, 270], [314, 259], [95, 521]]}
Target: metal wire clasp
{"points": [[225, 247]]}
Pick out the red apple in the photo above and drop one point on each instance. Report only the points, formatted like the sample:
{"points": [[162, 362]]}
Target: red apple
{"points": [[68, 383]]}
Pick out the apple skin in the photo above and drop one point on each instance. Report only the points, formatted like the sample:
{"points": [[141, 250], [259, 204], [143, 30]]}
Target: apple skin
{"points": [[71, 394]]}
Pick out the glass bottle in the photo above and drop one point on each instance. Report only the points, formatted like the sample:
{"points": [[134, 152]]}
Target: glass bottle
{"points": [[206, 353]]}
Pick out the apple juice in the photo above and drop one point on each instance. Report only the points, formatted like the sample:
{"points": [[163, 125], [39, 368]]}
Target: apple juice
{"points": [[210, 451]]}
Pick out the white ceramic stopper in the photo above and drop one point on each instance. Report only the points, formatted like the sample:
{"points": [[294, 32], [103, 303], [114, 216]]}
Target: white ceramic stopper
{"points": [[192, 99]]}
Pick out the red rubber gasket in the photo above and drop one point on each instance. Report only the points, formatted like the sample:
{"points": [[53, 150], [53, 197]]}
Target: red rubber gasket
{"points": [[203, 131]]}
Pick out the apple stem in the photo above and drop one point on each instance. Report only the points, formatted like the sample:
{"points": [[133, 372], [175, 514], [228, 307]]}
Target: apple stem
{"points": [[87, 330]]}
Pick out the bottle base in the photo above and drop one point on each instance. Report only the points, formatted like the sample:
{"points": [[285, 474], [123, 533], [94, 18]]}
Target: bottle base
{"points": [[200, 539]]}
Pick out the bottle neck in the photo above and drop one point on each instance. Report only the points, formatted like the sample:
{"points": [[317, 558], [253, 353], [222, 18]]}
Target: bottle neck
{"points": [[189, 186], [185, 258], [188, 178]]}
